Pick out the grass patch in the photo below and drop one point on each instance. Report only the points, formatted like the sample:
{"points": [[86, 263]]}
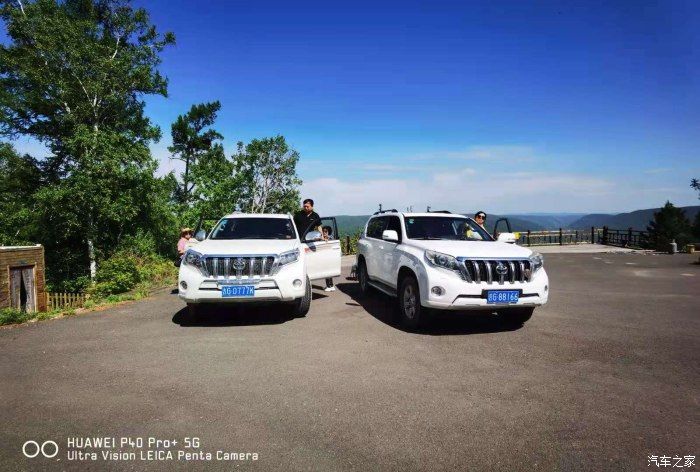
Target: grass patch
{"points": [[14, 316]]}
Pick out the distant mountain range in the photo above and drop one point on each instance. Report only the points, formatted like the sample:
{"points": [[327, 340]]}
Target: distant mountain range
{"points": [[638, 220]]}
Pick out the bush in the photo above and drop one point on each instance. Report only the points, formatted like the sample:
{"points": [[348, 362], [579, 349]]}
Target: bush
{"points": [[126, 271], [77, 285], [14, 316], [140, 245], [118, 274]]}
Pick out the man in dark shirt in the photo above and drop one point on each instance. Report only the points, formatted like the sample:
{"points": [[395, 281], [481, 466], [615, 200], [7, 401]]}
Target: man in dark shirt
{"points": [[307, 219]]}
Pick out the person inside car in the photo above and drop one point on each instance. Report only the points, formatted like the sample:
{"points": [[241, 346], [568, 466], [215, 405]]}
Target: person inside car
{"points": [[480, 218]]}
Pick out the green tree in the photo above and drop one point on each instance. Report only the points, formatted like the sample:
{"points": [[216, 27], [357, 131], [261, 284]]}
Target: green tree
{"points": [[194, 140], [695, 184], [20, 178], [209, 184], [669, 224], [72, 76], [267, 178]]}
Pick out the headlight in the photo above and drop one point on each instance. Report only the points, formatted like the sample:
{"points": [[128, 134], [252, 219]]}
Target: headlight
{"points": [[192, 258], [536, 261], [289, 257], [442, 260]]}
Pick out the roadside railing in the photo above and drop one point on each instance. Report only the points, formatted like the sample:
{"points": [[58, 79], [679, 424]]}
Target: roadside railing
{"points": [[59, 300], [607, 236], [624, 237], [558, 237]]}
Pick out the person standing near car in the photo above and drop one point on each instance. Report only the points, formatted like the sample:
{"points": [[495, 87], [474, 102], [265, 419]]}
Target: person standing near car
{"points": [[480, 218], [307, 218], [185, 236]]}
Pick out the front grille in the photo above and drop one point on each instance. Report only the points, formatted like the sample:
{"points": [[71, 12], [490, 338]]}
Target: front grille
{"points": [[499, 271], [233, 268]]}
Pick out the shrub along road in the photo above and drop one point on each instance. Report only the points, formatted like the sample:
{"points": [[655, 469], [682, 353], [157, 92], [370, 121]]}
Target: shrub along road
{"points": [[603, 376]]}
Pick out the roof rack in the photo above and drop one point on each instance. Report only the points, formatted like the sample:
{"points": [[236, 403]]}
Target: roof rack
{"points": [[393, 210], [440, 211]]}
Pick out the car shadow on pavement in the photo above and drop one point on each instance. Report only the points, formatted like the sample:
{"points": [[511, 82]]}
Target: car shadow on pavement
{"points": [[384, 308], [214, 315]]}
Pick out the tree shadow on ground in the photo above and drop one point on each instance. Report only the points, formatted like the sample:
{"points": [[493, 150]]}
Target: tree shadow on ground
{"points": [[384, 308], [229, 315]]}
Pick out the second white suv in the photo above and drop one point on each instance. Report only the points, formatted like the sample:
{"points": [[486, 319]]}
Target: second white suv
{"points": [[446, 261]]}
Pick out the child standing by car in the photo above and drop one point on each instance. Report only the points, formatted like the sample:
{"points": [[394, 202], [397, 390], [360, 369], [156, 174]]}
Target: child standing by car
{"points": [[327, 235]]}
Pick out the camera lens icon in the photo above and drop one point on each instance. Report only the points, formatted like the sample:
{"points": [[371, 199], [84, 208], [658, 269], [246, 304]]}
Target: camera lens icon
{"points": [[48, 449]]}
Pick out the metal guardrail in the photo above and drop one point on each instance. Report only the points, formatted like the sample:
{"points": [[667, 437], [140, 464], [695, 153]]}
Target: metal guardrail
{"points": [[607, 236]]}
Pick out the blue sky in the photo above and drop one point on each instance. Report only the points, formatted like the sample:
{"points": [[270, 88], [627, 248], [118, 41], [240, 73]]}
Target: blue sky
{"points": [[505, 106]]}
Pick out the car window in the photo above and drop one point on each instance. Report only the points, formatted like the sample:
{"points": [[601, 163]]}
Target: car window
{"points": [[254, 228], [441, 227], [394, 223], [330, 228], [376, 226]]}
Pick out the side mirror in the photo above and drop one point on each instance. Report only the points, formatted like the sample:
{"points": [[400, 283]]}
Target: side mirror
{"points": [[313, 236], [390, 235], [506, 238], [201, 235]]}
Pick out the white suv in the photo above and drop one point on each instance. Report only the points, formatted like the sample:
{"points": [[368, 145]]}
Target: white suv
{"points": [[446, 261], [257, 258]]}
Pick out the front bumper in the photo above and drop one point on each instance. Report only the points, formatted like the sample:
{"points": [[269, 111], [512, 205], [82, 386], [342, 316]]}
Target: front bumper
{"points": [[461, 295], [277, 288]]}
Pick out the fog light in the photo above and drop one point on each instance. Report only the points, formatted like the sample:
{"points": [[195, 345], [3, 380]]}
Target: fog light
{"points": [[297, 283], [183, 285], [437, 290]]}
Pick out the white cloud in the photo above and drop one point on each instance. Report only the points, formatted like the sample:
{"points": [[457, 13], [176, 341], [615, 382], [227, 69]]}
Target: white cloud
{"points": [[489, 153], [461, 190]]}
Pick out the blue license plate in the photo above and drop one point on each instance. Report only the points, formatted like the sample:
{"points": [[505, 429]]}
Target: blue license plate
{"points": [[502, 296], [238, 291]]}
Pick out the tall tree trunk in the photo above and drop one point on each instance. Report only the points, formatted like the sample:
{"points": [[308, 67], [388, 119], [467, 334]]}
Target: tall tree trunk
{"points": [[91, 254], [187, 171]]}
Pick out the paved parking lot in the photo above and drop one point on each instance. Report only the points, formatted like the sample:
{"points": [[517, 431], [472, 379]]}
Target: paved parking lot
{"points": [[603, 376]]}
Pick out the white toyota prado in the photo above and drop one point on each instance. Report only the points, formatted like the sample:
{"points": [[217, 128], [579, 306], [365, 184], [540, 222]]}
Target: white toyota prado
{"points": [[441, 260], [258, 258]]}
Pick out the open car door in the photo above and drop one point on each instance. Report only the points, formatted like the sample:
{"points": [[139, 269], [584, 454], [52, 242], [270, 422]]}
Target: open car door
{"points": [[502, 225], [323, 256]]}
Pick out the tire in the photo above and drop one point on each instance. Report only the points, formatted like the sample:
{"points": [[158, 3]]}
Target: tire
{"points": [[413, 315], [301, 305], [519, 315], [363, 277]]}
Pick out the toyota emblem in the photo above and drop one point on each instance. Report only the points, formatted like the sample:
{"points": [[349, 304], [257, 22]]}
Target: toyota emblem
{"points": [[238, 264], [501, 269]]}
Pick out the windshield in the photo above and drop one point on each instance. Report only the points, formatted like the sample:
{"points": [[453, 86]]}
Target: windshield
{"points": [[254, 228], [441, 227]]}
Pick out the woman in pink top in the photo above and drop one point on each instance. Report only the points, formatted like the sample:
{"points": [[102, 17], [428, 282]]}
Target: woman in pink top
{"points": [[185, 235]]}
